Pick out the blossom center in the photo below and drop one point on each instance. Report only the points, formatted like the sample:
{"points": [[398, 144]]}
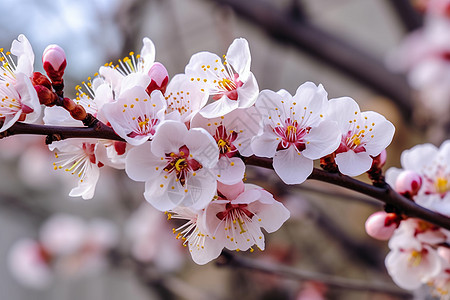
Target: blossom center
{"points": [[291, 134], [225, 141], [78, 162], [181, 164], [441, 185], [227, 84], [238, 223], [415, 258]]}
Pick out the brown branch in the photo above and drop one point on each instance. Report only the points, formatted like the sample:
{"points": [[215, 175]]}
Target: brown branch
{"points": [[408, 15], [385, 194], [239, 261], [57, 133]]}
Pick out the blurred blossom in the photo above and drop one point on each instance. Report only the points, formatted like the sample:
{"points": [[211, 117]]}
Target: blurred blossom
{"points": [[67, 246], [29, 264], [151, 239], [424, 56], [100, 237], [63, 234], [312, 291]]}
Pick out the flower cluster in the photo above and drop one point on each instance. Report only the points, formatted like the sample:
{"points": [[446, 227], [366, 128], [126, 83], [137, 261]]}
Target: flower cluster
{"points": [[424, 55], [419, 250], [187, 139], [67, 245]]}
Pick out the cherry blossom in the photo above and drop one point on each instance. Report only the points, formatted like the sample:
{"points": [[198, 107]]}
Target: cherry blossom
{"points": [[363, 135], [233, 133], [151, 240], [410, 268], [63, 234], [84, 157], [202, 247], [235, 219], [78, 157], [132, 68], [230, 82], [184, 98], [19, 98], [432, 165], [29, 263], [135, 115], [176, 166], [295, 130]]}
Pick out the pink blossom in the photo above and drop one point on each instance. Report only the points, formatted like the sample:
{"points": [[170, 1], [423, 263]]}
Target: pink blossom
{"points": [[176, 167], [231, 83], [235, 219], [363, 135], [295, 131], [19, 98]]}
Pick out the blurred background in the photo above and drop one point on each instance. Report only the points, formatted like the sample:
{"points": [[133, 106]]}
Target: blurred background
{"points": [[343, 44]]}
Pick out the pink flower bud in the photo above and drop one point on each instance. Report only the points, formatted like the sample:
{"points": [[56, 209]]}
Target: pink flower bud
{"points": [[380, 159], [54, 61], [381, 225], [160, 77], [408, 183], [55, 56]]}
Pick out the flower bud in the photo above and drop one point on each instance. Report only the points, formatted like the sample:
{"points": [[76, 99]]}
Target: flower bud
{"points": [[69, 104], [78, 113], [159, 78], [54, 61], [408, 183], [379, 160], [46, 96], [41, 79], [381, 225]]}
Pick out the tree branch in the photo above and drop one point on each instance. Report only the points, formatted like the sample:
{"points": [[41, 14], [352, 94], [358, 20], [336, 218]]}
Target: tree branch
{"points": [[57, 133], [228, 259], [409, 16], [385, 194]]}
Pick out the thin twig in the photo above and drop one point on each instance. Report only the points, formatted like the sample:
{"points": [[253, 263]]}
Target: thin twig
{"points": [[239, 261], [57, 133], [385, 194], [409, 16]]}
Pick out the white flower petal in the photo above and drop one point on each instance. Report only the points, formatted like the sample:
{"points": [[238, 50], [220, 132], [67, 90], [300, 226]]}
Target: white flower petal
{"points": [[269, 216], [342, 110], [25, 55], [142, 165], [416, 158], [353, 164], [381, 134], [238, 56], [219, 108], [148, 53], [265, 145], [230, 170], [202, 147], [322, 140], [248, 92], [291, 166], [168, 138], [86, 187]]}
